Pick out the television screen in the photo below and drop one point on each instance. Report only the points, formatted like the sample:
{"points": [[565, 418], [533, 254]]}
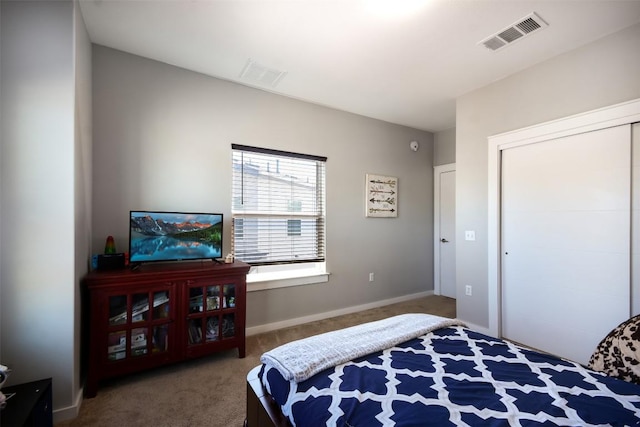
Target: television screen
{"points": [[173, 236]]}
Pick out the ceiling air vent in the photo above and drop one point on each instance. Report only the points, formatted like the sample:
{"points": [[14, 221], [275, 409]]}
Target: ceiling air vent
{"points": [[523, 27], [257, 73]]}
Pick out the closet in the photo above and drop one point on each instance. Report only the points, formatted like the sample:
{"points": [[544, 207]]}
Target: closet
{"points": [[565, 241], [565, 218]]}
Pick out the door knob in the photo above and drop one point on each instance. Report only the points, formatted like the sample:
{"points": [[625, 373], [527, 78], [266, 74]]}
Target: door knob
{"points": [[443, 240]]}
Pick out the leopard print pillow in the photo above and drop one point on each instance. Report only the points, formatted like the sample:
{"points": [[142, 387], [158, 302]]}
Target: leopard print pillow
{"points": [[618, 354]]}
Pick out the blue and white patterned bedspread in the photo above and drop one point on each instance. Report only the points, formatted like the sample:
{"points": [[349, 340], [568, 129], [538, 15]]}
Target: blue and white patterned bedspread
{"points": [[456, 377]]}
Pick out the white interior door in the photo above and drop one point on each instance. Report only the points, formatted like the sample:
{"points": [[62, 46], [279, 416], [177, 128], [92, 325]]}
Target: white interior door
{"points": [[445, 231], [565, 241]]}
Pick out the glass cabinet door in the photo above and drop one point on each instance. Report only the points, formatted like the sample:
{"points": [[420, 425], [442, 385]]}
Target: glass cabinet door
{"points": [[140, 308], [160, 305], [228, 325], [138, 324], [160, 339], [213, 298], [211, 313], [195, 300], [138, 342], [194, 328], [117, 310], [229, 319], [116, 349], [213, 329], [229, 296]]}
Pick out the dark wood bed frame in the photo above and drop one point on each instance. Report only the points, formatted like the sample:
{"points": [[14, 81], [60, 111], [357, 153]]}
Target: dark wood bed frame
{"points": [[262, 410]]}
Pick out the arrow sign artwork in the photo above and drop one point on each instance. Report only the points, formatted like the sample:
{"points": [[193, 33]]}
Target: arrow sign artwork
{"points": [[382, 196], [389, 200]]}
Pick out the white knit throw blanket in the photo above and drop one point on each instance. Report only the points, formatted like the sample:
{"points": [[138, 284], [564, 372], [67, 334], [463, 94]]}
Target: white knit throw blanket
{"points": [[300, 360]]}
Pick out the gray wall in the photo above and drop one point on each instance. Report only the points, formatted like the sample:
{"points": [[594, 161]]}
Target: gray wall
{"points": [[444, 147], [39, 205], [1, 175], [162, 141], [82, 187], [602, 73]]}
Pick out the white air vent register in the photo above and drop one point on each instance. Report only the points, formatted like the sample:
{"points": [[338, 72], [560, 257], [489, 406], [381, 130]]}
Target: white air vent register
{"points": [[256, 73], [523, 27]]}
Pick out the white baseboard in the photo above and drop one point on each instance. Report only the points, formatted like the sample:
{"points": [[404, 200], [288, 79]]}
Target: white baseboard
{"points": [[254, 330], [70, 412]]}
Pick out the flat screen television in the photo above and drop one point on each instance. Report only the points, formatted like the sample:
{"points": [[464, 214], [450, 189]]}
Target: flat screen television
{"points": [[174, 236]]}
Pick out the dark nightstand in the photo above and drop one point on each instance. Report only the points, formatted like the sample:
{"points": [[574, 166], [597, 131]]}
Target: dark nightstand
{"points": [[30, 406]]}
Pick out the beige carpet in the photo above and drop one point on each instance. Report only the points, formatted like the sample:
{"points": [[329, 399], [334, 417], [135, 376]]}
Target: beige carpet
{"points": [[211, 391]]}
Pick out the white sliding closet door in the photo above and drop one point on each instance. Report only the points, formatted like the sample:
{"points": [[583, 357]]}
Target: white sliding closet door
{"points": [[566, 241], [635, 220]]}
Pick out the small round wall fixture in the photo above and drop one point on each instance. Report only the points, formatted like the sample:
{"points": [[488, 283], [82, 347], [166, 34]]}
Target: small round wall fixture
{"points": [[414, 145]]}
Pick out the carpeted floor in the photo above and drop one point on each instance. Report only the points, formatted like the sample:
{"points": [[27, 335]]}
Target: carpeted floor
{"points": [[211, 391]]}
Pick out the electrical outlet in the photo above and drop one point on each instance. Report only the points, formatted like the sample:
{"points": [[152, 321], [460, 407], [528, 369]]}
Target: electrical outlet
{"points": [[467, 290], [371, 277]]}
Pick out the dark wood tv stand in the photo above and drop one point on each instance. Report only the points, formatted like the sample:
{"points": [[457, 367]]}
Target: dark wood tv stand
{"points": [[161, 313]]}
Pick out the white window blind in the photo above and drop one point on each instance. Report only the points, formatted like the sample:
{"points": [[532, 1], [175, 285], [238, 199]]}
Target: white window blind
{"points": [[278, 208]]}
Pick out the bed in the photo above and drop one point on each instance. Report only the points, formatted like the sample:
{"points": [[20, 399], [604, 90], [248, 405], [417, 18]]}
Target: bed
{"points": [[423, 370]]}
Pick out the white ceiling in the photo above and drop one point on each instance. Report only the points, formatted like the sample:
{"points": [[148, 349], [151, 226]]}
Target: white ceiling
{"points": [[367, 57]]}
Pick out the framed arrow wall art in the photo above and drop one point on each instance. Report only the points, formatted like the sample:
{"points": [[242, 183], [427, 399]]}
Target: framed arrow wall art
{"points": [[382, 196]]}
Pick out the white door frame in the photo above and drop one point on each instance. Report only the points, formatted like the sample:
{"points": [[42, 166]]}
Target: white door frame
{"points": [[619, 114], [437, 170]]}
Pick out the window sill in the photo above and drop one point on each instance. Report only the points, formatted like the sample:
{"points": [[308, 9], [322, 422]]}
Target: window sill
{"points": [[260, 281]]}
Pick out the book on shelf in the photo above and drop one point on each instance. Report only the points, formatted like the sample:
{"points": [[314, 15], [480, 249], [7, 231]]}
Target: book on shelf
{"points": [[137, 341], [140, 351], [115, 348], [195, 304], [195, 333], [117, 342], [139, 309], [117, 356]]}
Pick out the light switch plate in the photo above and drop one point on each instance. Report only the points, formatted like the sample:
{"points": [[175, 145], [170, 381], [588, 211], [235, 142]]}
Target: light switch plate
{"points": [[469, 235]]}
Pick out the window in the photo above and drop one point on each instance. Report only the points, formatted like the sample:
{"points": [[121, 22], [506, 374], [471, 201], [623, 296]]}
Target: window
{"points": [[278, 212], [294, 227]]}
